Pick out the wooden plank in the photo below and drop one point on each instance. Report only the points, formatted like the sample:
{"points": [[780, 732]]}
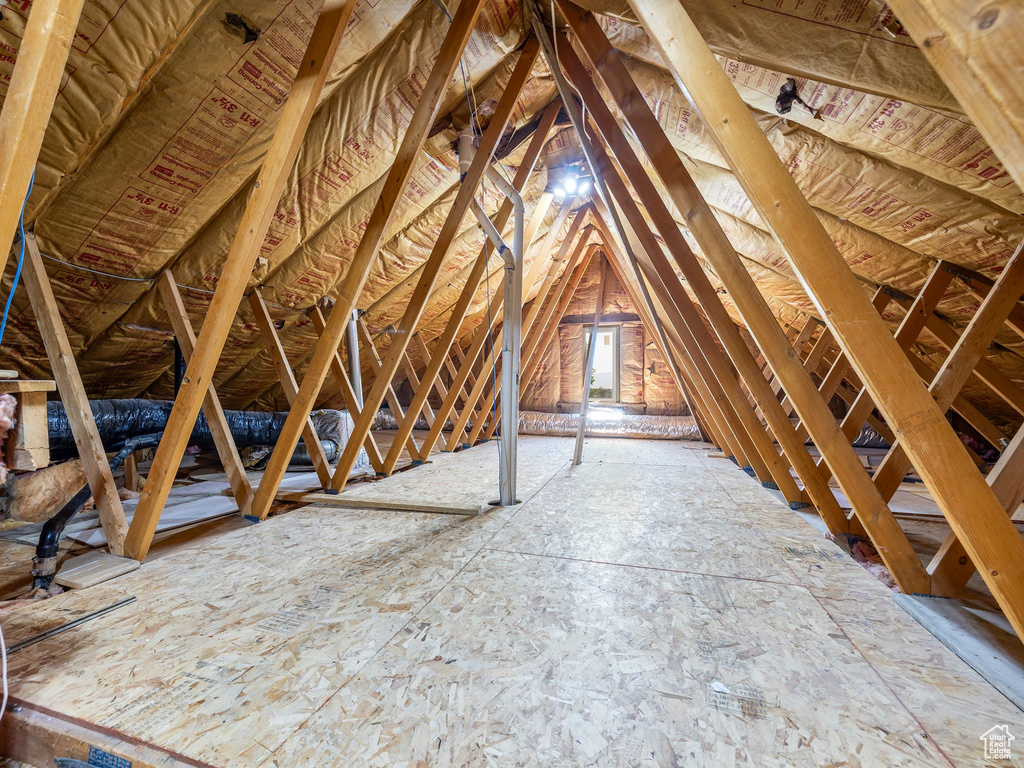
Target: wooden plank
{"points": [[969, 505], [414, 381], [245, 247], [347, 392], [577, 454], [975, 49], [459, 311], [42, 54], [215, 419], [93, 568], [132, 479], [759, 319], [76, 401], [28, 442], [366, 254], [288, 384], [393, 505]]}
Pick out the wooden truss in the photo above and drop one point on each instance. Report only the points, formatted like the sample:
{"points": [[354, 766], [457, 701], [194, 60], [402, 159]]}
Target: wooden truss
{"points": [[743, 389]]}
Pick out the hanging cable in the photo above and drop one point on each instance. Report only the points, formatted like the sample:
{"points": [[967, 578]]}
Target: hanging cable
{"points": [[17, 272]]}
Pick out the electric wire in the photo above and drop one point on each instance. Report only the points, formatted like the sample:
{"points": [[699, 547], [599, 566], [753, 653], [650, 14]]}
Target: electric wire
{"points": [[14, 282]]}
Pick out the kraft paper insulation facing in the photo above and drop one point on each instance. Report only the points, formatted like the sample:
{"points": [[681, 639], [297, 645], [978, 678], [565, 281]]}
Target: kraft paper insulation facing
{"points": [[645, 383], [165, 113]]}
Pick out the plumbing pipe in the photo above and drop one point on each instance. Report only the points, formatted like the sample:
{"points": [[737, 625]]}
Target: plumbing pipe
{"points": [[44, 564], [492, 233], [512, 322], [355, 373], [511, 344]]}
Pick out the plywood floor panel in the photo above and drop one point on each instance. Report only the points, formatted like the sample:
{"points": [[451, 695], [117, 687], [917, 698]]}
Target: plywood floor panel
{"points": [[630, 612]]}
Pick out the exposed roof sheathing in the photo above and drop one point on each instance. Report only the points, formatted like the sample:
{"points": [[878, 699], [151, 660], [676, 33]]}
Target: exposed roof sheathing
{"points": [[166, 111]]}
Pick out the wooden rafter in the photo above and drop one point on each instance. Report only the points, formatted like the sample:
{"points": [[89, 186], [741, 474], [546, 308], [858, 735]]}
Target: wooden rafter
{"points": [[359, 269], [28, 101], [432, 268], [967, 502], [218, 424], [259, 210], [76, 401], [288, 385], [348, 394]]}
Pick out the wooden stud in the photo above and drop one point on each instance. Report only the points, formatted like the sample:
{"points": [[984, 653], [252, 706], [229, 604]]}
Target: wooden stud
{"points": [[132, 480], [758, 317], [414, 381], [28, 102], [215, 419], [288, 384], [259, 210], [76, 401], [366, 254], [348, 394]]}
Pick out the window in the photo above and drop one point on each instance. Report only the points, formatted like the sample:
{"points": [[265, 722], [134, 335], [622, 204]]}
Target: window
{"points": [[604, 377]]}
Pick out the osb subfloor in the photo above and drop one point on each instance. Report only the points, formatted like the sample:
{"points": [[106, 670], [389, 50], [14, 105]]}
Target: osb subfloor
{"points": [[652, 607]]}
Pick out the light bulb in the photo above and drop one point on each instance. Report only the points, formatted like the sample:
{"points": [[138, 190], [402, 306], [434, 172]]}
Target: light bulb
{"points": [[570, 184], [559, 192], [584, 186]]}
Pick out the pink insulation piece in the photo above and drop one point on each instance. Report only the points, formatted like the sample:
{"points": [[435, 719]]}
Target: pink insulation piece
{"points": [[8, 405], [871, 561]]}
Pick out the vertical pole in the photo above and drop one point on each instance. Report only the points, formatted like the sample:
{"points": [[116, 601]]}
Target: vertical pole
{"points": [[577, 454]]}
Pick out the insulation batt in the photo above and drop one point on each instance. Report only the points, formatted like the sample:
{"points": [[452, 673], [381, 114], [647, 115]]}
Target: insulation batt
{"points": [[8, 405]]}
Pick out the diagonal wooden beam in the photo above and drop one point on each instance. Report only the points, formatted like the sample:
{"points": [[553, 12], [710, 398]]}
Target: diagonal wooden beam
{"points": [[979, 286], [373, 235], [761, 322], [594, 44], [967, 502], [42, 55], [469, 290], [259, 210], [288, 384], [975, 49], [414, 381], [432, 268], [348, 393], [219, 430], [387, 386], [909, 329], [484, 406], [962, 360], [76, 401]]}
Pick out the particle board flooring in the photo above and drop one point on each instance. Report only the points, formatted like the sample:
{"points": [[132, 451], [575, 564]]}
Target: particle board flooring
{"points": [[651, 607]]}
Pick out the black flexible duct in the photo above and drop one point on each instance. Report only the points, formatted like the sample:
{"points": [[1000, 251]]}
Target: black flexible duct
{"points": [[117, 420], [44, 565]]}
